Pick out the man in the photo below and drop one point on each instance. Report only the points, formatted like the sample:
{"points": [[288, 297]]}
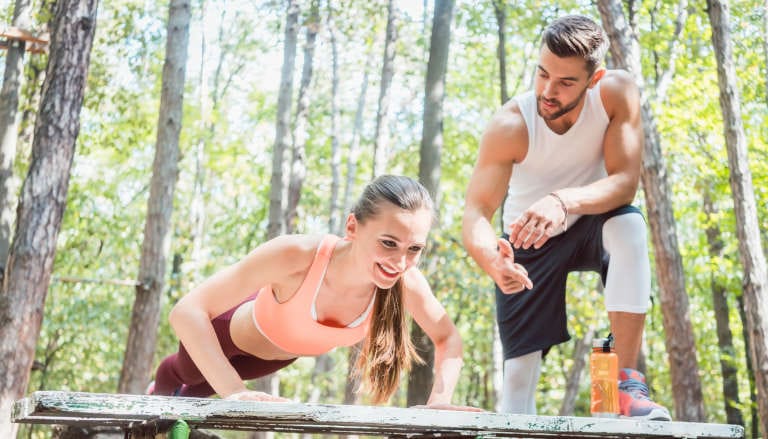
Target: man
{"points": [[571, 152]]}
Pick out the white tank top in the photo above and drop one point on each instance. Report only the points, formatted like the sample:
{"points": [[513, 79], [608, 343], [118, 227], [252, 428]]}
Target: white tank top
{"points": [[555, 161]]}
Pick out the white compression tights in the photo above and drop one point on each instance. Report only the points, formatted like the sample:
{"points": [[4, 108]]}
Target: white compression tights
{"points": [[627, 289]]}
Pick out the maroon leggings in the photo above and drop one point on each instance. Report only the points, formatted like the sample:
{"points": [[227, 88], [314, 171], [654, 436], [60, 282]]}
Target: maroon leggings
{"points": [[178, 375]]}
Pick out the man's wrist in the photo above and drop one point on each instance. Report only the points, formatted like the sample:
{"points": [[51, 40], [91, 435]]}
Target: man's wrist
{"points": [[562, 206]]}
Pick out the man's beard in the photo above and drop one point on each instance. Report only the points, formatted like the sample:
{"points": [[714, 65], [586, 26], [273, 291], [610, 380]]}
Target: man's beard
{"points": [[563, 108]]}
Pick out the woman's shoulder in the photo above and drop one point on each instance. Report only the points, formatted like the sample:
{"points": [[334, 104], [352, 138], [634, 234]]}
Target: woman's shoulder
{"points": [[295, 250], [414, 282]]}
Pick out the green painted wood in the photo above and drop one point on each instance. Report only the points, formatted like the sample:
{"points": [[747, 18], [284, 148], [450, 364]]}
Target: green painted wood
{"points": [[129, 411]]}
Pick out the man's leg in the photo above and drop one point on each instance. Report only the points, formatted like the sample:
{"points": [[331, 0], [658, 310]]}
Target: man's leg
{"points": [[627, 290], [518, 391]]}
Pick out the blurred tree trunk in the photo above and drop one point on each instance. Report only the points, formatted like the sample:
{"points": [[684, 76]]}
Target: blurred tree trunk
{"points": [[299, 147], [681, 346], [276, 225], [501, 48], [381, 143], [675, 47], [754, 424], [575, 374], [333, 205], [354, 144], [501, 53], [750, 248], [720, 304], [142, 335], [13, 78], [43, 199], [421, 375]]}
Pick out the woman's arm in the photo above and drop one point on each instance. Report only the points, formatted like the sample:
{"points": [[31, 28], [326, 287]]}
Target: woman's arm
{"points": [[430, 315], [191, 316]]}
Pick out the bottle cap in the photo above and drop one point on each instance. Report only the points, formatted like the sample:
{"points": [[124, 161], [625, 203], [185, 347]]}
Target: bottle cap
{"points": [[606, 344]]}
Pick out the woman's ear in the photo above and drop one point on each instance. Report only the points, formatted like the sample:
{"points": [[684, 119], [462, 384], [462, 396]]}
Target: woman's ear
{"points": [[351, 227]]}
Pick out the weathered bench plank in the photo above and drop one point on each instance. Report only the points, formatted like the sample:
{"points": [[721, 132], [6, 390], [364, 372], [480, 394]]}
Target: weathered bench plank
{"points": [[131, 411]]}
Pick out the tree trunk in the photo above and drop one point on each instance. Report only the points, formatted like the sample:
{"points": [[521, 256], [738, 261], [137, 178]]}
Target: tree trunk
{"points": [[720, 304], [765, 47], [276, 224], [381, 144], [573, 381], [333, 205], [501, 48], [43, 198], [681, 347], [420, 378], [755, 281], [665, 79], [142, 335], [354, 145], [13, 78], [299, 147], [754, 427]]}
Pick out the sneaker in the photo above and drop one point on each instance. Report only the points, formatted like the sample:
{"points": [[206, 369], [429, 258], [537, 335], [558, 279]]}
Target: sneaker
{"points": [[633, 398], [150, 390]]}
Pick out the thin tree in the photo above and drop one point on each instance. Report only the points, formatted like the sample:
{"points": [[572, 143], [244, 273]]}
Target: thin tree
{"points": [[276, 224], [681, 347], [501, 47], [333, 205], [43, 199], [299, 147], [13, 78], [728, 367], [755, 283], [420, 379], [381, 144], [145, 318]]}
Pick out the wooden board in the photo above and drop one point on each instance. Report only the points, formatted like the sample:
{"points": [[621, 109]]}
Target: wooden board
{"points": [[134, 411]]}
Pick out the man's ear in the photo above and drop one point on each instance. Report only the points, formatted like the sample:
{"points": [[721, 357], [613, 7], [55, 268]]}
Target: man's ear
{"points": [[351, 227], [597, 76]]}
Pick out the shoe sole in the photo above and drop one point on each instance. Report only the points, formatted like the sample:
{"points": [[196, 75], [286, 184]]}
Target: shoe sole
{"points": [[653, 415]]}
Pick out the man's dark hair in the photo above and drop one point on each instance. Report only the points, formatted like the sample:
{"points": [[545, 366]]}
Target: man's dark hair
{"points": [[577, 35]]}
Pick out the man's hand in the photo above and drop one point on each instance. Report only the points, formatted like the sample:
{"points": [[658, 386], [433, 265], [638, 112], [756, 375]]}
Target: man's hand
{"points": [[509, 276], [538, 223]]}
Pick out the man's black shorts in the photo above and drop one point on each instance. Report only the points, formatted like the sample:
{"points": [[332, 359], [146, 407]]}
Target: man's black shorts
{"points": [[535, 319]]}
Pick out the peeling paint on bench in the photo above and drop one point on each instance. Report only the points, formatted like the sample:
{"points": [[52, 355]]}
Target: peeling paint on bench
{"points": [[134, 411]]}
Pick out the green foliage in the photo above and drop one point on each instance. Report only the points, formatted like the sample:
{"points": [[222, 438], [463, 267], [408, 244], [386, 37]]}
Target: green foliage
{"points": [[228, 131]]}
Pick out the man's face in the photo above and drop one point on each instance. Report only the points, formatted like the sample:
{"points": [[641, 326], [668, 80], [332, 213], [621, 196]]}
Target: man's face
{"points": [[560, 84]]}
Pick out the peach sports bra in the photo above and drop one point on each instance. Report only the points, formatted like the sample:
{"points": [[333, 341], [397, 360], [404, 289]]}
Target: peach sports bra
{"points": [[292, 325]]}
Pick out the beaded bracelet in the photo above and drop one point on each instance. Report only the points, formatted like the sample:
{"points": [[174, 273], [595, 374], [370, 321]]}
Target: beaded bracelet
{"points": [[565, 209]]}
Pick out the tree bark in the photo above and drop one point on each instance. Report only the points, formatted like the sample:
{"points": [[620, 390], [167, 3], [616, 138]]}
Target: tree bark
{"points": [[681, 346], [501, 48], [755, 281], [381, 144], [276, 224], [420, 378], [573, 381], [299, 147], [720, 304], [13, 78], [43, 199], [142, 335], [333, 205], [354, 144]]}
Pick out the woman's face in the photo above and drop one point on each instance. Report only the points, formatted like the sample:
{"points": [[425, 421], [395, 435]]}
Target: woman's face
{"points": [[390, 243]]}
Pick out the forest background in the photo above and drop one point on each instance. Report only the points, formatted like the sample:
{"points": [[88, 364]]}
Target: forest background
{"points": [[222, 198]]}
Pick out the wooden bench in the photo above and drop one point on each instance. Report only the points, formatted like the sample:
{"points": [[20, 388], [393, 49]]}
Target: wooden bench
{"points": [[137, 415]]}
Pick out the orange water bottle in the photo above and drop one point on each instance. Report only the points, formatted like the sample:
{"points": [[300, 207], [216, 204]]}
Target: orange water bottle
{"points": [[604, 371]]}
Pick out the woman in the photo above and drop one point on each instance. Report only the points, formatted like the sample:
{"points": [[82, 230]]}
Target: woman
{"points": [[302, 295]]}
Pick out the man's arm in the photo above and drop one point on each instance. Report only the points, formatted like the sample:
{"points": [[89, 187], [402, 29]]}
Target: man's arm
{"points": [[622, 149], [503, 143]]}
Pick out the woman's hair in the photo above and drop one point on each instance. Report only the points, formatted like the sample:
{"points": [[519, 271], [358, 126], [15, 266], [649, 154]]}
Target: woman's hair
{"points": [[577, 35], [387, 350]]}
